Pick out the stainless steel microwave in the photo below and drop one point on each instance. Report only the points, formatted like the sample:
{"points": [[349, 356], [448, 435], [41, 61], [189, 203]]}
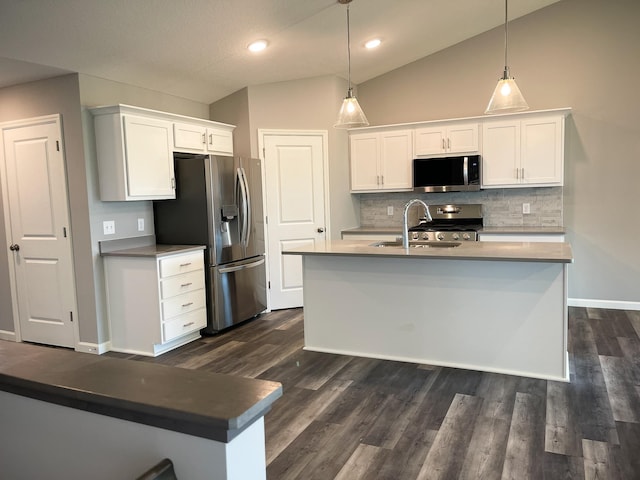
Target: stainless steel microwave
{"points": [[447, 174]]}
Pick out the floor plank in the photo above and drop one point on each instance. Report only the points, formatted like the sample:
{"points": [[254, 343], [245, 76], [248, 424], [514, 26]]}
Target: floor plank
{"points": [[360, 418]]}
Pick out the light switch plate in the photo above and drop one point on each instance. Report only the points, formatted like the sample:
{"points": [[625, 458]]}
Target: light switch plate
{"points": [[141, 224], [526, 208], [109, 227], [390, 210]]}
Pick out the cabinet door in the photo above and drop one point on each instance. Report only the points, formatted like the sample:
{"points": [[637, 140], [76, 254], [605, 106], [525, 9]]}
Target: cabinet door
{"points": [[219, 141], [396, 156], [364, 155], [149, 158], [500, 154], [430, 140], [463, 138], [542, 151], [189, 137]]}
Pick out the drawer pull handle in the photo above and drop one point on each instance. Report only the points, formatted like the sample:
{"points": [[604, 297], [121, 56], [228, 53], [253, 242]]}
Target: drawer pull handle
{"points": [[186, 284], [185, 264], [188, 324], [187, 304]]}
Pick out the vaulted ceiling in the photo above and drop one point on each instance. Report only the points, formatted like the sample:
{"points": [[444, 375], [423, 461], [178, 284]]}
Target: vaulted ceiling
{"points": [[196, 49]]}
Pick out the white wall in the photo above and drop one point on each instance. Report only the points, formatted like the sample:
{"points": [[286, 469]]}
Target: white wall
{"points": [[575, 53]]}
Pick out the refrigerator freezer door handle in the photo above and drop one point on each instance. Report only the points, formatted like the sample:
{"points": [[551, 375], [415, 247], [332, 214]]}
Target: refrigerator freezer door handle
{"points": [[244, 235], [241, 267]]}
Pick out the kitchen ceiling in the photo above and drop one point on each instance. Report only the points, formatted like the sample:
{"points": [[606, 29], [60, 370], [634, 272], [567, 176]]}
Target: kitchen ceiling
{"points": [[196, 49]]}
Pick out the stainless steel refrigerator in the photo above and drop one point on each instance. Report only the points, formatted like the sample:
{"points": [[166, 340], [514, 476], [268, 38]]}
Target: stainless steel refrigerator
{"points": [[219, 204]]}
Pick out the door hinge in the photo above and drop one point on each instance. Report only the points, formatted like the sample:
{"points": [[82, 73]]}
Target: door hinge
{"points": [[264, 152], [64, 231], [269, 285], [71, 316], [57, 145], [266, 220]]}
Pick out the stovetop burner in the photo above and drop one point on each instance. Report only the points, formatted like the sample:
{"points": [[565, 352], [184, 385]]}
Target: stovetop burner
{"points": [[449, 222]]}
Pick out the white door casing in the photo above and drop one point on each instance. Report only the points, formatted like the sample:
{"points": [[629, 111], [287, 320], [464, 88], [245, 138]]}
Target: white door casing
{"points": [[296, 199], [37, 223]]}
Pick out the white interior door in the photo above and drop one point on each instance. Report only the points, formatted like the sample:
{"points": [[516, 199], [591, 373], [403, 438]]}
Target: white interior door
{"points": [[294, 167], [38, 231]]}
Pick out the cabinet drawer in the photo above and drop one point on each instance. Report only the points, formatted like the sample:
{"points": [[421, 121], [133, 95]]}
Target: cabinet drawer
{"points": [[184, 324], [179, 284], [181, 264], [182, 304]]}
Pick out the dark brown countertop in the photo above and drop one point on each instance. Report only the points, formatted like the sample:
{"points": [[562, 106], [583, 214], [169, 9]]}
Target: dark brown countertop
{"points": [[203, 404]]}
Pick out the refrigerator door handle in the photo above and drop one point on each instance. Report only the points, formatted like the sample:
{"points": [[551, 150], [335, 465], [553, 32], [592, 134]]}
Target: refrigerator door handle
{"points": [[244, 234], [247, 207], [241, 267]]}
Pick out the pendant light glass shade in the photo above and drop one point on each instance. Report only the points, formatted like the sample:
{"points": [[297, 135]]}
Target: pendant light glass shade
{"points": [[507, 96], [350, 115]]}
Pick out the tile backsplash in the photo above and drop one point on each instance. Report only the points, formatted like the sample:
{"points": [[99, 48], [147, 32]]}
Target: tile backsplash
{"points": [[501, 206]]}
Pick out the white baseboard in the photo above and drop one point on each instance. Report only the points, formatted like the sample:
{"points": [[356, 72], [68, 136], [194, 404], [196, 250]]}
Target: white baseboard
{"points": [[611, 304], [7, 335], [95, 348]]}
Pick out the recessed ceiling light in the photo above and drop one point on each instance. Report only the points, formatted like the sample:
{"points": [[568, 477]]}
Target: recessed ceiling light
{"points": [[373, 43], [258, 45]]}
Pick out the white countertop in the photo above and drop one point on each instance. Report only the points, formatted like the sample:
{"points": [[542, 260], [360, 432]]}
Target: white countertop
{"points": [[551, 252]]}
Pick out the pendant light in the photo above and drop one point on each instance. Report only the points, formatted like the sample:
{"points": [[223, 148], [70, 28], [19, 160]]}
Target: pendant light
{"points": [[506, 97], [350, 115]]}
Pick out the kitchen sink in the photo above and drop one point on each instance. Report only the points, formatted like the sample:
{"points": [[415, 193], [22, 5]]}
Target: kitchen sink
{"points": [[417, 244]]}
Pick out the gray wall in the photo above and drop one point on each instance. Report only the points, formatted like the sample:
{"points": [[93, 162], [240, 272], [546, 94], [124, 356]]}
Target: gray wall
{"points": [[575, 53], [307, 104], [46, 97], [95, 92], [71, 96], [234, 109]]}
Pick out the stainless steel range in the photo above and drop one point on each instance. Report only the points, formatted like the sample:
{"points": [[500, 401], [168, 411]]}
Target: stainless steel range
{"points": [[449, 222]]}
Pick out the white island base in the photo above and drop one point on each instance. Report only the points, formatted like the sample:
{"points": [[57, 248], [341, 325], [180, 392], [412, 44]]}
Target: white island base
{"points": [[496, 316]]}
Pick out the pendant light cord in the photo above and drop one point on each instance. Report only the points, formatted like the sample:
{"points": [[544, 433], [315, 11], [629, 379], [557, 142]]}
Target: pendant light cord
{"points": [[506, 40], [348, 50]]}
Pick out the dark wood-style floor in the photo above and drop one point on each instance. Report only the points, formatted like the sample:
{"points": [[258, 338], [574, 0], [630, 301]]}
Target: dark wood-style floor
{"points": [[354, 418]]}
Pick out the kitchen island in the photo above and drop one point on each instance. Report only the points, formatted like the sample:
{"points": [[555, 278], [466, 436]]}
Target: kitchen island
{"points": [[496, 307]]}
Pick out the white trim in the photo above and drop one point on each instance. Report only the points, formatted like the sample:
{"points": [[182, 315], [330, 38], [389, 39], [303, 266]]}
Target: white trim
{"points": [[7, 335], [262, 133], [609, 304], [95, 348]]}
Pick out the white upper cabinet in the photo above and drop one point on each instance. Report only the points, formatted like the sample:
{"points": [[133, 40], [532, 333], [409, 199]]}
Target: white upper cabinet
{"points": [[135, 149], [523, 151], [446, 138], [381, 161], [135, 157], [196, 138]]}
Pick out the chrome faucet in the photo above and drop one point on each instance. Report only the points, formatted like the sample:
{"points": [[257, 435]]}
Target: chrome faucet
{"points": [[405, 227]]}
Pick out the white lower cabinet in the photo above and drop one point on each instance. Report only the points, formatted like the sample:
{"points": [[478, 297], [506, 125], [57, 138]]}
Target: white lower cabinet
{"points": [[155, 303], [521, 237]]}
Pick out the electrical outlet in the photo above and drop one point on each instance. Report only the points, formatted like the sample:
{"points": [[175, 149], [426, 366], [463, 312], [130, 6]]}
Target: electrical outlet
{"points": [[390, 210], [526, 208], [109, 227], [141, 224]]}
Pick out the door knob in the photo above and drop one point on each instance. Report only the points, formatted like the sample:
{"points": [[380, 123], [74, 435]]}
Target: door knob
{"points": [[14, 248], [320, 230]]}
